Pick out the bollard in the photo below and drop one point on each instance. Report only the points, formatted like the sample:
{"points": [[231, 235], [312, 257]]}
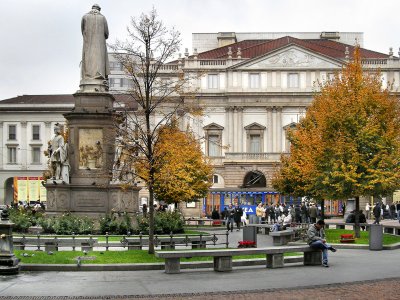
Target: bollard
{"points": [[375, 237]]}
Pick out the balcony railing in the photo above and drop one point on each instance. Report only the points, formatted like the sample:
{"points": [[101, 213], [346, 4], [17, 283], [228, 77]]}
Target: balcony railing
{"points": [[245, 156]]}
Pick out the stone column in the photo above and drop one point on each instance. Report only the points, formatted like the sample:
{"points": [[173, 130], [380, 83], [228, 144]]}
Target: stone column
{"points": [[240, 129], [24, 152], [2, 145], [235, 129], [273, 130], [230, 129], [269, 130], [279, 129]]}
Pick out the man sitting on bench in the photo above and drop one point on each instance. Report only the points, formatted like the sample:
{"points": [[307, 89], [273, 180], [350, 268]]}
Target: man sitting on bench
{"points": [[316, 239]]}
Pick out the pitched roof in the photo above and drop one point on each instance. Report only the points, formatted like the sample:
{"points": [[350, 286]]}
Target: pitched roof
{"points": [[255, 48], [60, 100]]}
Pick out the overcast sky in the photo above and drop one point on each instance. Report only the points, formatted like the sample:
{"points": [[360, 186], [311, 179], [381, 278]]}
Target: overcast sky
{"points": [[41, 40]]}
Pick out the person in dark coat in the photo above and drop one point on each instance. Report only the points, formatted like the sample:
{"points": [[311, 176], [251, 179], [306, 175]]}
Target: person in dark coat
{"points": [[272, 214], [215, 214], [237, 215], [377, 213]]}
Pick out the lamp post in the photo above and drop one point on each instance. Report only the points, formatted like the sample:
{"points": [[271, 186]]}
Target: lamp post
{"points": [[8, 261]]}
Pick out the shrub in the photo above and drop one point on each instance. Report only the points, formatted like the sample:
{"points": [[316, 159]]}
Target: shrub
{"points": [[67, 224], [165, 222], [23, 218], [116, 224]]}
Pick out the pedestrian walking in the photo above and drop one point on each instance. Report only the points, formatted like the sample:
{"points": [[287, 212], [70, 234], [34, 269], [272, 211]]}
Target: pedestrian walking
{"points": [[377, 213]]}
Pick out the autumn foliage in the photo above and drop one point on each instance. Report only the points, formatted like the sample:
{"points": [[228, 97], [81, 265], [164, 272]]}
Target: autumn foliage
{"points": [[181, 170], [348, 143]]}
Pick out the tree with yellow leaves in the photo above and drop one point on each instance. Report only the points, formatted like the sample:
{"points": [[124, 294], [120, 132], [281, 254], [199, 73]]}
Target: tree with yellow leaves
{"points": [[160, 98], [182, 174], [348, 144]]}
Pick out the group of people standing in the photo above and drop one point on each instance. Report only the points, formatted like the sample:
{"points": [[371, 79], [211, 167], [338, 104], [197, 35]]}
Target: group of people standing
{"points": [[382, 211], [233, 214], [271, 214]]}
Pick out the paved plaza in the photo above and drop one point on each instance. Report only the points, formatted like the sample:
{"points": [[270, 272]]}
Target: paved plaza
{"points": [[353, 274]]}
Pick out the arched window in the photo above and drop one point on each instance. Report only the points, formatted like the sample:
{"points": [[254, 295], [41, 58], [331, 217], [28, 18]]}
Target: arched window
{"points": [[254, 179]]}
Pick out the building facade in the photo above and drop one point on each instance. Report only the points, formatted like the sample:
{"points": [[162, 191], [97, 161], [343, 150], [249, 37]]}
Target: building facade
{"points": [[255, 86]]}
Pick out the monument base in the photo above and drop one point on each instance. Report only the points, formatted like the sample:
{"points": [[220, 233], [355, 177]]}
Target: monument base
{"points": [[9, 264], [90, 200]]}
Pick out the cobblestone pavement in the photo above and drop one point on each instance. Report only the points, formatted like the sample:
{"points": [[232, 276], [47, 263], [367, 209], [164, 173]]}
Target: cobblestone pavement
{"points": [[383, 289]]}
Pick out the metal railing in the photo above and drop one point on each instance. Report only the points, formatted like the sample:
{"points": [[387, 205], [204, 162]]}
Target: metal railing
{"points": [[126, 242]]}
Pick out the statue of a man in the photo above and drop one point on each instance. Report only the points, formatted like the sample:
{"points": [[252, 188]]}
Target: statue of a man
{"points": [[57, 154], [94, 54]]}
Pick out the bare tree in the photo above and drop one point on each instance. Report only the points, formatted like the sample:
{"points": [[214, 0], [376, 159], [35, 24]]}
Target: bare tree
{"points": [[158, 88]]}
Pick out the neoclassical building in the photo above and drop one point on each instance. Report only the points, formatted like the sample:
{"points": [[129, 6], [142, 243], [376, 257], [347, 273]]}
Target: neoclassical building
{"points": [[254, 87]]}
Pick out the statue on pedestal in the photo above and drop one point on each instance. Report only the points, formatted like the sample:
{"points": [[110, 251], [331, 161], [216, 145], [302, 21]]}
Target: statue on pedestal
{"points": [[59, 157], [95, 66]]}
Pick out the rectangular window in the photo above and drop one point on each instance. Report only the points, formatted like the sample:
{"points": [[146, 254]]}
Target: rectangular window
{"points": [[12, 132], [115, 66], [213, 147], [116, 82], [12, 155], [212, 81], [255, 144], [215, 178], [254, 81], [36, 132], [36, 155], [293, 80]]}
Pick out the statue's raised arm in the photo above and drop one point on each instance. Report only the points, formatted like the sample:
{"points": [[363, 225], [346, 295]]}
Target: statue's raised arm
{"points": [[95, 66]]}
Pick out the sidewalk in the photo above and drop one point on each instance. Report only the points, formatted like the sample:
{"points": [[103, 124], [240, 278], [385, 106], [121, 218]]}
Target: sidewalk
{"points": [[346, 266]]}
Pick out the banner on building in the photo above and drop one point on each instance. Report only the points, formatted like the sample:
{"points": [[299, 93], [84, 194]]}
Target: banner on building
{"points": [[29, 189]]}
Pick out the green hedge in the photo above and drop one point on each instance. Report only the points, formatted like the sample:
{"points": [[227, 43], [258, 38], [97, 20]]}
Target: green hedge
{"points": [[165, 222]]}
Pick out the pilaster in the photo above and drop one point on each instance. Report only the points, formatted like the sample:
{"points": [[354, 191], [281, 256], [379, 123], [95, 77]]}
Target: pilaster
{"points": [[24, 151]]}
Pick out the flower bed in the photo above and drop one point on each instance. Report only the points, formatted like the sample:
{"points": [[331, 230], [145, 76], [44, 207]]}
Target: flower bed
{"points": [[247, 244]]}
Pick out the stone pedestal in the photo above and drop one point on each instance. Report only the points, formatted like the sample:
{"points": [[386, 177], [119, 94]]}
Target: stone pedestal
{"points": [[313, 258], [91, 143], [91, 200], [8, 261], [275, 260], [223, 263]]}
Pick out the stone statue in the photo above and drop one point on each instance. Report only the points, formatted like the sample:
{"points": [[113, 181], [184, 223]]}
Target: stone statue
{"points": [[56, 150], [65, 164], [95, 66]]}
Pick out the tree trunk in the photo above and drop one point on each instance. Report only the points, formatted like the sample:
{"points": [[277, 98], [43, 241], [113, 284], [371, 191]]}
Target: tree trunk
{"points": [[357, 218], [151, 220]]}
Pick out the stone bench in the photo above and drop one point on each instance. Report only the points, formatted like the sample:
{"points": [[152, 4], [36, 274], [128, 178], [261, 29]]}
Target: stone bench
{"points": [[391, 229], [343, 225], [52, 244], [223, 257], [283, 237], [265, 227]]}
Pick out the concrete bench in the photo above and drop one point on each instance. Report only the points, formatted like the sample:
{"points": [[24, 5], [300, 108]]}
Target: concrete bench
{"points": [[391, 229], [265, 227], [52, 244], [339, 225], [283, 237], [223, 257]]}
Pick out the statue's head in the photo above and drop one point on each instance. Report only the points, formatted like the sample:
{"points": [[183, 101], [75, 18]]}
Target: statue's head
{"points": [[57, 129], [96, 6]]}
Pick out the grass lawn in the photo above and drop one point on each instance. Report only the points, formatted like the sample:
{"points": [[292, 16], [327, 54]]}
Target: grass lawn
{"points": [[333, 236], [107, 257]]}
